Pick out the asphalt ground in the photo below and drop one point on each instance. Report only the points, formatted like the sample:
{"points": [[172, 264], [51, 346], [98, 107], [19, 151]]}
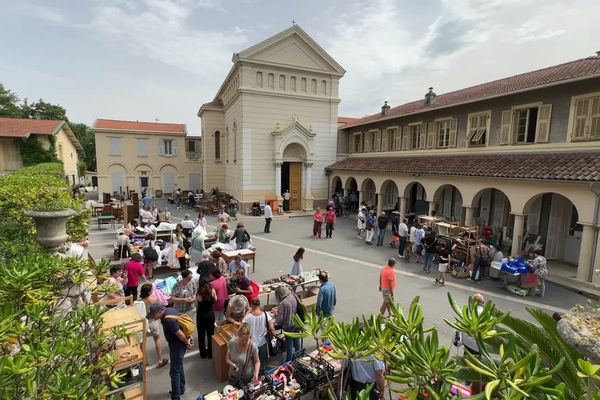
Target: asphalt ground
{"points": [[354, 269]]}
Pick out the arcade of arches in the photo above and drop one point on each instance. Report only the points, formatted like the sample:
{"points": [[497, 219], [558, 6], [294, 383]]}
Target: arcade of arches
{"points": [[558, 216]]}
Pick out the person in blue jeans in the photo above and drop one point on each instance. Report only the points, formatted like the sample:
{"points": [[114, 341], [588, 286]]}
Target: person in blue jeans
{"points": [[430, 245], [178, 344], [382, 223], [288, 307]]}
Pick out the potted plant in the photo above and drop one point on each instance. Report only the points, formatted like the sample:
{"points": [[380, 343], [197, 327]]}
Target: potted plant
{"points": [[51, 222]]}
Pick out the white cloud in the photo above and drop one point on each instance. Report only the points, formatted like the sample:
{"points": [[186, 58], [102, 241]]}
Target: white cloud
{"points": [[161, 31], [533, 30]]}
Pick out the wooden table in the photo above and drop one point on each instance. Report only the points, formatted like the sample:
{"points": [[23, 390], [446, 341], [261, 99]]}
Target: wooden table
{"points": [[246, 254], [110, 219]]}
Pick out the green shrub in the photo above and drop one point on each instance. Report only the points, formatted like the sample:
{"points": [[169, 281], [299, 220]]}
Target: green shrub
{"points": [[41, 188], [47, 168]]}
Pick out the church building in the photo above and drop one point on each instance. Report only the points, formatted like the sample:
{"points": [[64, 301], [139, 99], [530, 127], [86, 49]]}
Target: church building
{"points": [[273, 123]]}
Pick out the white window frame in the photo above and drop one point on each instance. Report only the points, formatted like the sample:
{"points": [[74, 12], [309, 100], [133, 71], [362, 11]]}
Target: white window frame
{"points": [[167, 144], [475, 134], [419, 135], [438, 124], [514, 120], [391, 131], [114, 150], [588, 120]]}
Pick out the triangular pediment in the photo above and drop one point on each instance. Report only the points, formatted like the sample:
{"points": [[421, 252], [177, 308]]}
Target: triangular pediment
{"points": [[294, 48], [294, 127]]}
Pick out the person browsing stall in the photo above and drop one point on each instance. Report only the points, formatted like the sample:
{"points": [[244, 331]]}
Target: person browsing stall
{"points": [[326, 300], [366, 371], [238, 263], [288, 306], [260, 322], [242, 358], [178, 344]]}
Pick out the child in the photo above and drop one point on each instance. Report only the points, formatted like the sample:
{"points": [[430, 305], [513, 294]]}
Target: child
{"points": [[181, 257]]}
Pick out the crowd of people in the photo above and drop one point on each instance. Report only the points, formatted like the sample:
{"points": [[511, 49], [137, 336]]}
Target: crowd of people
{"points": [[203, 287]]}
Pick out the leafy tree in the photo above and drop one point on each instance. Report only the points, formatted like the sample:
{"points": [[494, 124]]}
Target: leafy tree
{"points": [[44, 110], [9, 104], [84, 134]]}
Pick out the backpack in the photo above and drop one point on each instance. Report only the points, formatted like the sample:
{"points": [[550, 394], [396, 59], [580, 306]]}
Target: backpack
{"points": [[150, 253], [186, 323], [330, 217]]}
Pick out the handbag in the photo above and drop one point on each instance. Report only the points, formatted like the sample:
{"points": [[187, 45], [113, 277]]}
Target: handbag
{"points": [[274, 344]]}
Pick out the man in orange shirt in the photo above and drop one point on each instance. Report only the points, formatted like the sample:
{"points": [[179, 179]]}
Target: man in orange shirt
{"points": [[387, 284]]}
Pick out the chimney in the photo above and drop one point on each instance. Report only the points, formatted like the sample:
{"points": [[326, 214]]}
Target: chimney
{"points": [[385, 109], [430, 97], [598, 54]]}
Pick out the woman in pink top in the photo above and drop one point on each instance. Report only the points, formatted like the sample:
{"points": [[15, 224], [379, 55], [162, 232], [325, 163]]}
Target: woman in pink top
{"points": [[135, 271], [219, 284]]}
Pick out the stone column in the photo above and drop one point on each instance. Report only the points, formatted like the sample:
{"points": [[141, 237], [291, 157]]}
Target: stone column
{"points": [[517, 238], [379, 203], [432, 207], [402, 209], [468, 216], [278, 165], [360, 198], [308, 197], [585, 253]]}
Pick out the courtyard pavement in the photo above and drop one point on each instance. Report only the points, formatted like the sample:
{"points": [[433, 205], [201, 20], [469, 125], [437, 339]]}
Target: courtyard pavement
{"points": [[354, 269]]}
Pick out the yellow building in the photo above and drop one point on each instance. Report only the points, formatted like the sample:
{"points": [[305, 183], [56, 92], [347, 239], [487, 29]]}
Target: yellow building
{"points": [[157, 156], [520, 155], [272, 125], [13, 130]]}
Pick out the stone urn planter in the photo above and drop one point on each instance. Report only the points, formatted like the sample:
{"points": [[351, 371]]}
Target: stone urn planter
{"points": [[582, 331], [51, 227]]}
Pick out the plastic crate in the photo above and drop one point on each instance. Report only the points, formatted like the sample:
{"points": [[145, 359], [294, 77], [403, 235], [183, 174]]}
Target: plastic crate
{"points": [[311, 376]]}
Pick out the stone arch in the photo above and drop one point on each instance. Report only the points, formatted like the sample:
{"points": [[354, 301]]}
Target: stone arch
{"points": [[295, 134], [351, 184], [369, 192], [553, 219], [336, 184], [168, 178], [416, 197], [492, 207], [389, 193], [448, 202], [143, 168], [294, 152], [117, 165], [117, 177]]}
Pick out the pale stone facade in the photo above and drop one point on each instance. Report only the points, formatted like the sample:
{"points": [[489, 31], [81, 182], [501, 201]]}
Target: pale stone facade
{"points": [[133, 155], [273, 123]]}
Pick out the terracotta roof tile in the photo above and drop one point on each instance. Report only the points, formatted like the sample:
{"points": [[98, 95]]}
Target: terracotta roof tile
{"points": [[562, 166], [137, 126], [586, 67], [215, 103], [347, 120], [20, 127]]}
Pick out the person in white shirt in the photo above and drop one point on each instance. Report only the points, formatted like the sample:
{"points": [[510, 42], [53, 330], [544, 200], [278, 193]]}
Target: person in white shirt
{"points": [[223, 217], [286, 200], [402, 235], [268, 218], [411, 246], [145, 216], [361, 219], [187, 226]]}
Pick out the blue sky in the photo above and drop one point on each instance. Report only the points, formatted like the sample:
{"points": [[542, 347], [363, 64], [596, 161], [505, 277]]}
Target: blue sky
{"points": [[161, 59]]}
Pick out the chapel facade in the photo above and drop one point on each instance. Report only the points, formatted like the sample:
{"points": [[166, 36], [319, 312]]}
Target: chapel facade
{"points": [[273, 123]]}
